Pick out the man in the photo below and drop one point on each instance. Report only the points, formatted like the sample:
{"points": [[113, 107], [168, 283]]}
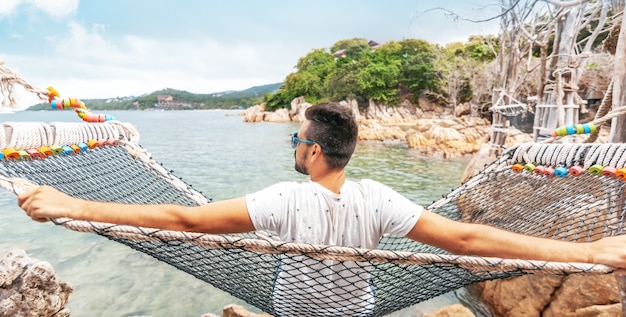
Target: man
{"points": [[329, 210]]}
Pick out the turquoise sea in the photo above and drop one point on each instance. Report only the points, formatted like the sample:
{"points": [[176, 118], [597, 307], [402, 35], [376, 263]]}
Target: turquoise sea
{"points": [[223, 157]]}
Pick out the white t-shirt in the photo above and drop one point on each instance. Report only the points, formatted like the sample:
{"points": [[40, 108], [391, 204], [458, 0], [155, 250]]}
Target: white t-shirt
{"points": [[309, 213]]}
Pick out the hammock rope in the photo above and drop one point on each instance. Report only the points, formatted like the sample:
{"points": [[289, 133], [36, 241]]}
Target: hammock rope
{"points": [[404, 272], [9, 80]]}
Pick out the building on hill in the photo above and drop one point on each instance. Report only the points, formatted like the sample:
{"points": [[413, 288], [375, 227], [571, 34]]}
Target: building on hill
{"points": [[342, 53], [167, 102]]}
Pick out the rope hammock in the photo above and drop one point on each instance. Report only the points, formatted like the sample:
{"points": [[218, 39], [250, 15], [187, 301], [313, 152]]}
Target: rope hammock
{"points": [[103, 161], [524, 191]]}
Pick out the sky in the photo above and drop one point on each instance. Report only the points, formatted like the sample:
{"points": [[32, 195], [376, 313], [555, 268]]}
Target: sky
{"points": [[117, 48]]}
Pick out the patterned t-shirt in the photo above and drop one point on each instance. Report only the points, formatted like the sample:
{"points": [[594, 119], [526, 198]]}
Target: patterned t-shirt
{"points": [[309, 213]]}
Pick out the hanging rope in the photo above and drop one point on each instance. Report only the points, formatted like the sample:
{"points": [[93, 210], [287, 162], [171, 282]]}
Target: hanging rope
{"points": [[9, 80]]}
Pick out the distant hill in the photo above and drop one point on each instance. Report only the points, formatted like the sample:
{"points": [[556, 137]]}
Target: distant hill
{"points": [[169, 99]]}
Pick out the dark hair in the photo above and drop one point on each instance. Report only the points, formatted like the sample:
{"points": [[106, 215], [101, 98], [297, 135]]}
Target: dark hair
{"points": [[334, 128]]}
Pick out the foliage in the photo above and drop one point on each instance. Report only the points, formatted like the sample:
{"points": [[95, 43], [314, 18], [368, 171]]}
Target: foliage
{"points": [[387, 74], [221, 100]]}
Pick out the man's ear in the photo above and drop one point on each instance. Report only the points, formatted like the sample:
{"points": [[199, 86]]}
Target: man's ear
{"points": [[317, 149]]}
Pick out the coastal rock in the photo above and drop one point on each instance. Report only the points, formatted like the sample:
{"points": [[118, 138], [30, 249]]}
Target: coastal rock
{"points": [[373, 130], [298, 107], [239, 311], [280, 115], [254, 114], [448, 137], [427, 127], [575, 295], [29, 287], [404, 113], [456, 310]]}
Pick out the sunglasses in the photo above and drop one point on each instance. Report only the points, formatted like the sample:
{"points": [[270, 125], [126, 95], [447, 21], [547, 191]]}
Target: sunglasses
{"points": [[295, 141]]}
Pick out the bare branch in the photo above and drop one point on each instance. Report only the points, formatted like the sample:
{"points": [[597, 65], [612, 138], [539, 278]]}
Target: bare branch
{"points": [[566, 4], [457, 16], [598, 29]]}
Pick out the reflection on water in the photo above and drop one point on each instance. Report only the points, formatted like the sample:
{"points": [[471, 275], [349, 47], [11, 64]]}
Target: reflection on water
{"points": [[222, 157]]}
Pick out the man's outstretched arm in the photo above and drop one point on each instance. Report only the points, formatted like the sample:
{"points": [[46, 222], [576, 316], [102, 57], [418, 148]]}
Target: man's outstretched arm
{"points": [[482, 240], [227, 216]]}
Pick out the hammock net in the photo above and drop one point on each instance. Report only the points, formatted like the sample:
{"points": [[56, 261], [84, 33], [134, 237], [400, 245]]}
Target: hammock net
{"points": [[104, 161]]}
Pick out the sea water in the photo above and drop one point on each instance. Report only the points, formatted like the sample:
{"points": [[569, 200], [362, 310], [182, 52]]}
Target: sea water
{"points": [[223, 157]]}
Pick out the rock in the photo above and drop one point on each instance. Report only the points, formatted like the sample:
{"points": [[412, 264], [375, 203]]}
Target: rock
{"points": [[298, 107], [373, 130], [239, 311], [578, 292], [456, 310], [527, 295], [406, 112], [280, 115], [600, 311], [546, 295], [254, 114], [448, 137], [29, 287]]}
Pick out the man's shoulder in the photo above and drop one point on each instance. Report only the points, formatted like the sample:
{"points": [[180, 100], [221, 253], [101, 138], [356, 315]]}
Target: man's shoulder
{"points": [[367, 185]]}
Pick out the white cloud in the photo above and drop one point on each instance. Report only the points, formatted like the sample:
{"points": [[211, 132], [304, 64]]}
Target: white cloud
{"points": [[86, 63], [7, 7], [56, 8]]}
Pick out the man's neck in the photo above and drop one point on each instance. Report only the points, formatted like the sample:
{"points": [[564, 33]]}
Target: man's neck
{"points": [[332, 180]]}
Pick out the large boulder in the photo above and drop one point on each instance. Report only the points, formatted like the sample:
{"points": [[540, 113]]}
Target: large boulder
{"points": [[576, 295], [456, 310], [448, 137], [29, 287]]}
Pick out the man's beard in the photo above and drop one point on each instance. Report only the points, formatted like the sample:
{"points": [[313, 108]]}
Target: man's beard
{"points": [[301, 168]]}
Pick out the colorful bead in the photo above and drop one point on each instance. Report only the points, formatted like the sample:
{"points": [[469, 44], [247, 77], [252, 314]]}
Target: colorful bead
{"points": [[67, 150], [576, 170], [34, 154], [23, 154], [92, 143], [11, 154], [596, 169], [575, 129], [45, 151], [621, 174], [586, 128], [529, 167], [609, 171], [580, 129], [548, 172], [539, 170], [560, 172], [52, 93], [83, 146], [56, 149]]}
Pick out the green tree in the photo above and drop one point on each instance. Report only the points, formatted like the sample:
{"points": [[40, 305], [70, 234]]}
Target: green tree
{"points": [[380, 77], [307, 81], [342, 84]]}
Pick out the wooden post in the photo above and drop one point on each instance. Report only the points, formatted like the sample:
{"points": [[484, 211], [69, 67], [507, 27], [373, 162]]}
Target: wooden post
{"points": [[618, 124]]}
